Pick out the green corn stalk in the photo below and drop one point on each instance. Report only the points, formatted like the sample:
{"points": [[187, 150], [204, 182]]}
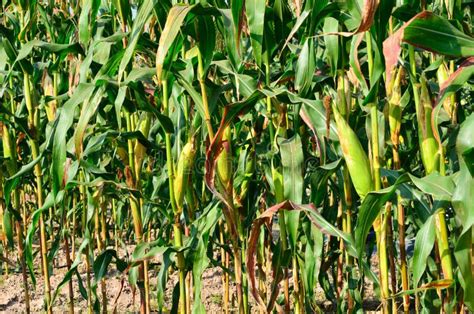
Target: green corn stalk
{"points": [[249, 72], [83, 198], [12, 166], [344, 106], [433, 160], [225, 185], [278, 183], [381, 223], [33, 121], [177, 228], [395, 115], [383, 219]]}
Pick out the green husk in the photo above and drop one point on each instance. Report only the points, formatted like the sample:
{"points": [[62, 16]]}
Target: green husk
{"points": [[184, 168], [224, 163], [356, 159], [428, 145]]}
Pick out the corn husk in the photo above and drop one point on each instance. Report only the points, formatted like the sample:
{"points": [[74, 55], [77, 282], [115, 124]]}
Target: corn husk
{"points": [[183, 170], [428, 146], [356, 159], [224, 164]]}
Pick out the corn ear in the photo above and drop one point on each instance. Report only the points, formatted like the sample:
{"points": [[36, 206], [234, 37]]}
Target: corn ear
{"points": [[224, 163], [356, 159], [394, 109], [50, 106], [443, 76], [343, 94], [140, 149], [249, 170], [184, 168], [123, 154], [428, 146], [8, 151]]}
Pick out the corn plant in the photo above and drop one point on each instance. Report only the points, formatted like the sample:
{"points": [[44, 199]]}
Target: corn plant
{"points": [[299, 147]]}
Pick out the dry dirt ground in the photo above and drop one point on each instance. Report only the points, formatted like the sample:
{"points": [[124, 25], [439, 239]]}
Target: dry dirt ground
{"points": [[119, 293]]}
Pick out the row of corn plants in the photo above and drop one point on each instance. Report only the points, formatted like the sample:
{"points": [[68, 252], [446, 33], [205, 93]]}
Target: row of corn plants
{"points": [[315, 152]]}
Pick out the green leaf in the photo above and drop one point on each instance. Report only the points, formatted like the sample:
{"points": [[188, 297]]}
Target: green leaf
{"points": [[73, 269], [428, 31], [65, 118], [165, 122], [296, 27], [12, 55], [88, 110], [13, 181], [193, 93], [8, 227], [122, 92], [173, 24], [370, 209], [144, 14], [462, 253], [102, 262], [255, 12], [440, 187], [207, 40], [326, 227], [354, 61], [319, 180], [26, 49], [456, 80], [314, 113], [331, 25], [230, 36], [123, 9], [87, 20], [463, 195], [424, 243], [292, 159], [305, 67], [434, 33], [237, 9], [168, 257], [205, 226], [48, 203]]}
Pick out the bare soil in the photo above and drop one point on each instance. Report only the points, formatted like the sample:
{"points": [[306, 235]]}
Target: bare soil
{"points": [[120, 295]]}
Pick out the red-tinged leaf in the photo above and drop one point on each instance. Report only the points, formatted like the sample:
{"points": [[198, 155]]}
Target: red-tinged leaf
{"points": [[451, 85], [216, 147], [437, 284], [370, 7], [265, 218], [430, 32], [355, 64], [391, 50], [368, 13], [238, 15], [298, 7], [456, 80]]}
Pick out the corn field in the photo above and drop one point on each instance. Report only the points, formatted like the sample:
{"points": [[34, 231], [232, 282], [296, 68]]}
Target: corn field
{"points": [[316, 155]]}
